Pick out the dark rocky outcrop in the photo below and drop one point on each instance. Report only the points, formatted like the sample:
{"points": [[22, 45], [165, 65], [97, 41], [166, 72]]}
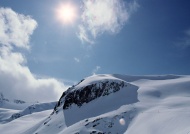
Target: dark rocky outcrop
{"points": [[88, 93]]}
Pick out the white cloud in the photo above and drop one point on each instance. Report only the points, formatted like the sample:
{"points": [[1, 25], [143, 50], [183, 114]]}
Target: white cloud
{"points": [[185, 41], [15, 29], [77, 59], [16, 80], [101, 16], [96, 70]]}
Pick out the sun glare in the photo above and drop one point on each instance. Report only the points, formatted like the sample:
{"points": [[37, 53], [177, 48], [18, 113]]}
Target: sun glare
{"points": [[66, 13]]}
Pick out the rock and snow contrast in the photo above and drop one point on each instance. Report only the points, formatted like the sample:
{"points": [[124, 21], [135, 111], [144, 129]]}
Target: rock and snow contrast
{"points": [[106, 104]]}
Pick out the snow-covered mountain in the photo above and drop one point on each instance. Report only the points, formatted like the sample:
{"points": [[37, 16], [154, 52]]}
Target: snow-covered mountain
{"points": [[13, 109], [12, 103], [111, 104]]}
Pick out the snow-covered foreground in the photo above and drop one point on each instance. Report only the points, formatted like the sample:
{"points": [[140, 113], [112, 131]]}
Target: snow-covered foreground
{"points": [[111, 104], [26, 124]]}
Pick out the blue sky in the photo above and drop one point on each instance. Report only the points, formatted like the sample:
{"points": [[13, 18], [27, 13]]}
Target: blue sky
{"points": [[142, 37]]}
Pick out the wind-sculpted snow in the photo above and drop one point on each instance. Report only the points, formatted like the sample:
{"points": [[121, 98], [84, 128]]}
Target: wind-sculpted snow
{"points": [[108, 123], [91, 92], [112, 104], [96, 96]]}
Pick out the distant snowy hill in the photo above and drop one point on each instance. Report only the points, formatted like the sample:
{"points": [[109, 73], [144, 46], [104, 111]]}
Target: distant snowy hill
{"points": [[109, 104], [12, 104], [13, 109]]}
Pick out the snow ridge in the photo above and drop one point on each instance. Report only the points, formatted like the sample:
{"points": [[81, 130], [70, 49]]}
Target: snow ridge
{"points": [[110, 104], [91, 92]]}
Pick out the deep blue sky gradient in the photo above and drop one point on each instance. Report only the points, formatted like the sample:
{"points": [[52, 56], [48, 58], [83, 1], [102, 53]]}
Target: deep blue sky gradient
{"points": [[150, 43]]}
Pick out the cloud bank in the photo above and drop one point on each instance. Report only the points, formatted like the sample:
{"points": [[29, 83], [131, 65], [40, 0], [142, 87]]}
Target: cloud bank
{"points": [[16, 80], [100, 16]]}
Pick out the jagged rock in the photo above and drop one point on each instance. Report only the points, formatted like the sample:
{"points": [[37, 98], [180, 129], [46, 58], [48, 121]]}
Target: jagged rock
{"points": [[19, 101], [89, 93]]}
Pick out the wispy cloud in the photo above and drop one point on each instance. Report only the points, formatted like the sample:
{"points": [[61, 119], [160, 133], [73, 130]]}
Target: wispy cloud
{"points": [[16, 79], [185, 41], [188, 32], [83, 36], [100, 16], [97, 68], [187, 38], [77, 59]]}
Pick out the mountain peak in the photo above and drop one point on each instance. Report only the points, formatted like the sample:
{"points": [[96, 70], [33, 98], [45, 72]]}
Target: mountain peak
{"points": [[96, 93]]}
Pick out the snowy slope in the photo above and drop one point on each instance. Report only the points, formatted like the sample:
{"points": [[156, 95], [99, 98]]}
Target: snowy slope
{"points": [[167, 107], [106, 95], [13, 109], [33, 109], [103, 104], [26, 124], [12, 104]]}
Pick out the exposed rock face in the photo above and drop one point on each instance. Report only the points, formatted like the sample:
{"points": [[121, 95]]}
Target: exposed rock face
{"points": [[88, 93], [2, 98], [94, 96], [91, 92], [19, 101]]}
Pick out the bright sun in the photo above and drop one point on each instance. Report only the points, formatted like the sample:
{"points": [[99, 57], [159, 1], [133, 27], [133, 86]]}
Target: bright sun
{"points": [[66, 13]]}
